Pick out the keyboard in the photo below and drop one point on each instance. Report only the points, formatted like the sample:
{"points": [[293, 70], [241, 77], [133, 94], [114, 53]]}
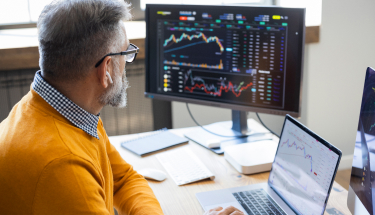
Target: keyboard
{"points": [[184, 166], [258, 202]]}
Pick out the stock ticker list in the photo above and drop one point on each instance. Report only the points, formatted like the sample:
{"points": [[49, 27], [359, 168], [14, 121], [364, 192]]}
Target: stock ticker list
{"points": [[230, 57]]}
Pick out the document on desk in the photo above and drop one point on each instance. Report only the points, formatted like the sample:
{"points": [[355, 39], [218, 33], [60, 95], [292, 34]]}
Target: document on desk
{"points": [[156, 141]]}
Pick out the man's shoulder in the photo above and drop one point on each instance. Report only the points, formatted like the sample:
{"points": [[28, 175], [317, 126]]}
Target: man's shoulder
{"points": [[34, 135], [26, 121], [30, 135]]}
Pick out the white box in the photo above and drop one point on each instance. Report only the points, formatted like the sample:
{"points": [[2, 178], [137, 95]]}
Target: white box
{"points": [[254, 157]]}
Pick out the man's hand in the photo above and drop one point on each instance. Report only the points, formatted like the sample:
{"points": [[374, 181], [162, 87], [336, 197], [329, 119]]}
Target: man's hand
{"points": [[226, 211]]}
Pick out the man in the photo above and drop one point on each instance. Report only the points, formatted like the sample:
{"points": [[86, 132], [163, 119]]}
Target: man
{"points": [[55, 156]]}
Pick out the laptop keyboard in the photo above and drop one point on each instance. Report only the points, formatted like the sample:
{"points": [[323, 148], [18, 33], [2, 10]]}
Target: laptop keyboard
{"points": [[258, 202]]}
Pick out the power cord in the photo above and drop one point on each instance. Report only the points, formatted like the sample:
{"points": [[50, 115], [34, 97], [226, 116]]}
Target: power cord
{"points": [[192, 117], [266, 126]]}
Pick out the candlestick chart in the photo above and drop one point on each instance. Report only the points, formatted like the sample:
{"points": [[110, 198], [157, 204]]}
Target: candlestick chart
{"points": [[194, 49], [172, 39]]}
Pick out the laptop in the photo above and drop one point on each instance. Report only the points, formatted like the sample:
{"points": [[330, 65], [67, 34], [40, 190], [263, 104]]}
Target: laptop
{"points": [[300, 180]]}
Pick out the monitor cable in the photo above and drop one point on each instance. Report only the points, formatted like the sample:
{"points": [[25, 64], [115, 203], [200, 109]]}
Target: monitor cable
{"points": [[192, 117], [266, 126], [240, 136]]}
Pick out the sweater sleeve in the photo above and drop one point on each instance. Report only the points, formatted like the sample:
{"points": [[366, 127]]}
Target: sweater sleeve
{"points": [[132, 194], [69, 185]]}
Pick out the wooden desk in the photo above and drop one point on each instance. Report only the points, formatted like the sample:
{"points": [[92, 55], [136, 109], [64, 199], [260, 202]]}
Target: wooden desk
{"points": [[180, 200]]}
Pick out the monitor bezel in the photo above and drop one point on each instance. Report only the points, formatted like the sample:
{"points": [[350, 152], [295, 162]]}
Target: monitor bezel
{"points": [[239, 107], [321, 140]]}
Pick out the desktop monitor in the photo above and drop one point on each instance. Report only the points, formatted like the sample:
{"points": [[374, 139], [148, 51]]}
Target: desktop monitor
{"points": [[243, 58], [361, 197]]}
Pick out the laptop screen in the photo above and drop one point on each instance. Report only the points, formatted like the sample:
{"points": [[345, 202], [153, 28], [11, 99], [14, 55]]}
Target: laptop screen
{"points": [[304, 167]]}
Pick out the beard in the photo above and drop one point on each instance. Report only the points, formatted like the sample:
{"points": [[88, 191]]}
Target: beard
{"points": [[116, 95]]}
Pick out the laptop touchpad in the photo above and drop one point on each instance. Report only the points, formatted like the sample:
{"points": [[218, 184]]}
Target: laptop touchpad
{"points": [[224, 205]]}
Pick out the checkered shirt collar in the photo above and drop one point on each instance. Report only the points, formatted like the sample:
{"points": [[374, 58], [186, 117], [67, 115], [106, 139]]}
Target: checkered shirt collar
{"points": [[75, 114]]}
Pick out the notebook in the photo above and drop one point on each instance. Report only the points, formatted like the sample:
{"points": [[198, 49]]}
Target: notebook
{"points": [[156, 141]]}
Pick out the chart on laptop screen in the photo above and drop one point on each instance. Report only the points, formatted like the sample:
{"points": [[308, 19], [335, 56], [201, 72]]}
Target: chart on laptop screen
{"points": [[303, 170]]}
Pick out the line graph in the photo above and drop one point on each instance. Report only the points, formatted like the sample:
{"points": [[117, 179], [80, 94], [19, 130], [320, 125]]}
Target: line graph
{"points": [[301, 148], [173, 39], [212, 88], [304, 169], [201, 65], [185, 46], [372, 126]]}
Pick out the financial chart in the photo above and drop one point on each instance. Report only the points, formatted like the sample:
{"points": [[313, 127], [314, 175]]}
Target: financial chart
{"points": [[193, 49], [237, 57], [223, 57], [233, 87], [303, 170]]}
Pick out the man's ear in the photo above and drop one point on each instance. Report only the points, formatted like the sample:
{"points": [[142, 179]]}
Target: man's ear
{"points": [[102, 72]]}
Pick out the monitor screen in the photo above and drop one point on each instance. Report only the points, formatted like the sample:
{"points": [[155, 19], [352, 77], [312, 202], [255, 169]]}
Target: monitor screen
{"points": [[362, 176], [244, 58], [304, 169]]}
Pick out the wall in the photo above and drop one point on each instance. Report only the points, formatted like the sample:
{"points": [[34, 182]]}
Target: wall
{"points": [[337, 68], [333, 77]]}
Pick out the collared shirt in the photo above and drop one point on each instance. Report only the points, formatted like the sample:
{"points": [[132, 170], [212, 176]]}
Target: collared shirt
{"points": [[82, 119]]}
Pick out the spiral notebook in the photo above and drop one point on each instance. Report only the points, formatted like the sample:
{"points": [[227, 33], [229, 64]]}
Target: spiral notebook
{"points": [[156, 141]]}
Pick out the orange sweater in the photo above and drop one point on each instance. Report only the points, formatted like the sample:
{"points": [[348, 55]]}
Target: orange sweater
{"points": [[49, 166]]}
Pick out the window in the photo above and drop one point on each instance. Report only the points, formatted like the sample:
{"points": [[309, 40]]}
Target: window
{"points": [[28, 11], [206, 2], [140, 5], [313, 9], [21, 11]]}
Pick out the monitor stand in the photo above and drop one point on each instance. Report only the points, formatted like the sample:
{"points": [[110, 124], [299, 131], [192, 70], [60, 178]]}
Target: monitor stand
{"points": [[239, 122], [239, 126]]}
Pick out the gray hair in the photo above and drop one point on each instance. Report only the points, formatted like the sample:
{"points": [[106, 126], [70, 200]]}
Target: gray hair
{"points": [[75, 34]]}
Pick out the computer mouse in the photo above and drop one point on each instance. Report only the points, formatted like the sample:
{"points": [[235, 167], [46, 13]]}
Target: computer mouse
{"points": [[153, 174], [213, 143]]}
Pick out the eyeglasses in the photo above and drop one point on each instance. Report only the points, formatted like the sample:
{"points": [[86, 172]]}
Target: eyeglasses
{"points": [[130, 54]]}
